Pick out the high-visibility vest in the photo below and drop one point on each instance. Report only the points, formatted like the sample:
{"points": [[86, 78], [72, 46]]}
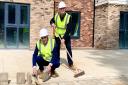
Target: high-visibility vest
{"points": [[45, 51], [61, 25]]}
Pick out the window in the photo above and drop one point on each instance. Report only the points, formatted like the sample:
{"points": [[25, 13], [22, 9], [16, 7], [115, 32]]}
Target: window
{"points": [[1, 25], [14, 25], [76, 21]]}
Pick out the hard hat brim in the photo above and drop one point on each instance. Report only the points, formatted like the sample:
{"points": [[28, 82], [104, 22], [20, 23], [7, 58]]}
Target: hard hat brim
{"points": [[61, 7]]}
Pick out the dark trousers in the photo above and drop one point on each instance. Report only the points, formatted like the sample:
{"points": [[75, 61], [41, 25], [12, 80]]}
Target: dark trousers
{"points": [[68, 46], [41, 63]]}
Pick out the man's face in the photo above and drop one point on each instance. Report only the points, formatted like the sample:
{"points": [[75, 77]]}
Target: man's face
{"points": [[44, 40], [62, 11]]}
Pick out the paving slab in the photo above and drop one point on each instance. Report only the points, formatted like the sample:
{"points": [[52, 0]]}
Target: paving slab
{"points": [[102, 67]]}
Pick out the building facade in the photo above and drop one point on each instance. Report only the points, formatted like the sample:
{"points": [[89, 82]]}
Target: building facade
{"points": [[21, 21], [111, 24]]}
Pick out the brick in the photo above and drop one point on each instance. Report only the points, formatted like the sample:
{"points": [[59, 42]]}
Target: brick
{"points": [[29, 78], [3, 78], [20, 78]]}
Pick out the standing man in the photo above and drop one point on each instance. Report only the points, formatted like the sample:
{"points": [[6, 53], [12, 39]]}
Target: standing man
{"points": [[44, 56], [63, 28]]}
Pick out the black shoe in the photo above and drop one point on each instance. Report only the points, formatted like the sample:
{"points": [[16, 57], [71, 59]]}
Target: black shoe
{"points": [[39, 72], [72, 67]]}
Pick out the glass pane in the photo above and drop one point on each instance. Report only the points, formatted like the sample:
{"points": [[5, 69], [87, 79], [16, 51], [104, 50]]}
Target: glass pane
{"points": [[11, 14], [76, 23], [24, 15], [126, 39], [1, 25], [11, 37], [126, 21], [122, 21], [121, 39], [23, 38]]}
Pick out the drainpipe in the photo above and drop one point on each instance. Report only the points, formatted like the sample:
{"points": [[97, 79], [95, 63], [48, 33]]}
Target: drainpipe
{"points": [[93, 23], [54, 8]]}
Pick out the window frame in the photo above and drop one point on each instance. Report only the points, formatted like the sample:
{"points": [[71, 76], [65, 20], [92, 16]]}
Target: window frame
{"points": [[17, 23]]}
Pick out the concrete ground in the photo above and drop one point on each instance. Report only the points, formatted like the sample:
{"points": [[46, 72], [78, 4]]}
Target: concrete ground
{"points": [[102, 67]]}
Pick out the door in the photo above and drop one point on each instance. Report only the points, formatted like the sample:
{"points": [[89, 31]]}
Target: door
{"points": [[123, 31]]}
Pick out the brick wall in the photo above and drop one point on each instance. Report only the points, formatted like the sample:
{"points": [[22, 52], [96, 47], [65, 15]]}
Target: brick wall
{"points": [[107, 25], [41, 13], [101, 14], [86, 27]]}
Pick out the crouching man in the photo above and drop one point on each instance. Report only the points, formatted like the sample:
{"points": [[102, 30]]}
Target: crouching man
{"points": [[44, 55]]}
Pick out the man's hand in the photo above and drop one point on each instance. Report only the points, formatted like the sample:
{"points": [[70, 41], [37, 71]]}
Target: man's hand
{"points": [[53, 27], [34, 71], [48, 68], [53, 35]]}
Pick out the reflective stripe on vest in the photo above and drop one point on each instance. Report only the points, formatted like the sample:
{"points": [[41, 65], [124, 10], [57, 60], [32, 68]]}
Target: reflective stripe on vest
{"points": [[46, 51], [61, 25]]}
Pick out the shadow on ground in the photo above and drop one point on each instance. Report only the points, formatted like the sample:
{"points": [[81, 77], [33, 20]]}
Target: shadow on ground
{"points": [[117, 59]]}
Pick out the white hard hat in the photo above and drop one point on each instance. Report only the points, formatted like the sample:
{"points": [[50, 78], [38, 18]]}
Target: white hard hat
{"points": [[61, 4], [43, 32]]}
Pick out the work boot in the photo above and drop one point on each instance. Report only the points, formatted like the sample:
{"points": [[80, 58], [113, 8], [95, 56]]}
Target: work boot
{"points": [[54, 74]]}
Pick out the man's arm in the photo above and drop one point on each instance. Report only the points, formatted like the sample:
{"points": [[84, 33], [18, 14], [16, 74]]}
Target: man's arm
{"points": [[52, 21], [34, 61], [34, 56]]}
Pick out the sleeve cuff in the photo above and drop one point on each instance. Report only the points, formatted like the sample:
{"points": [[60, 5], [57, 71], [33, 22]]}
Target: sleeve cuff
{"points": [[51, 64], [34, 67]]}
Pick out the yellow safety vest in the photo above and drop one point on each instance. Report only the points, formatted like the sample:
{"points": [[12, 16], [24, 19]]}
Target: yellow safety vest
{"points": [[46, 51], [61, 25]]}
